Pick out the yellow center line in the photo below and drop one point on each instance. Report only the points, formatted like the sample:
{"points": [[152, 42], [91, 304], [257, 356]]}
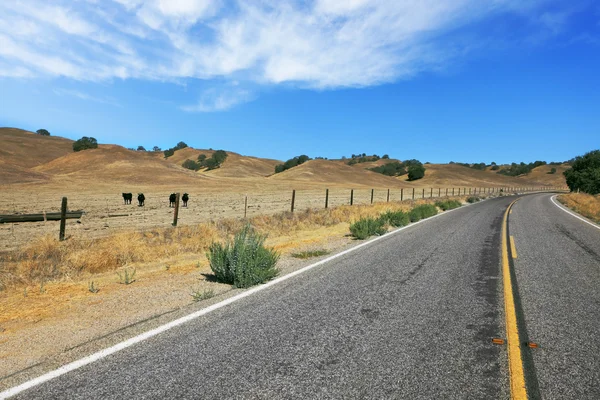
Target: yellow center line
{"points": [[513, 249], [515, 361]]}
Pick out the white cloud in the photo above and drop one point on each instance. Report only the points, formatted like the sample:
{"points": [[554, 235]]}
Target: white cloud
{"points": [[316, 44], [214, 99], [87, 97]]}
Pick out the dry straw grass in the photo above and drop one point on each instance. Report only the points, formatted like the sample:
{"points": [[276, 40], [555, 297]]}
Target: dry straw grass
{"points": [[585, 204], [47, 259]]}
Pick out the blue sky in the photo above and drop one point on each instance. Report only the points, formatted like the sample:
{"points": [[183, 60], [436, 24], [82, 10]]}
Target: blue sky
{"points": [[452, 80]]}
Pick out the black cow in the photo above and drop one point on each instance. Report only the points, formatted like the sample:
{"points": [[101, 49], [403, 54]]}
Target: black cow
{"points": [[172, 199], [127, 197], [141, 199], [185, 199]]}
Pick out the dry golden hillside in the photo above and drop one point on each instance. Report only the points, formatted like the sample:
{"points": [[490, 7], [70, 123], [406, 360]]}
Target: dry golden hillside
{"points": [[27, 149], [235, 166], [541, 175], [187, 153], [28, 158], [238, 166], [456, 175], [336, 173], [112, 163]]}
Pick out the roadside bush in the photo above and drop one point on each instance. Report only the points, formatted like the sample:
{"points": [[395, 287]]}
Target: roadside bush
{"points": [[584, 175], [395, 218], [365, 227], [421, 212], [243, 261], [473, 199], [448, 204]]}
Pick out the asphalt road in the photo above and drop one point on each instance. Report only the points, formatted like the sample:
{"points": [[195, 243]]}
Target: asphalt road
{"points": [[410, 316], [558, 274]]}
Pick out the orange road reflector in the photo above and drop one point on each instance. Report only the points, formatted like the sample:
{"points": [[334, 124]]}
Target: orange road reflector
{"points": [[532, 345], [497, 341]]}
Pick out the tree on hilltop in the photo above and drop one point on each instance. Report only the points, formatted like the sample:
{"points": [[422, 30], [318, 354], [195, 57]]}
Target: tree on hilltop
{"points": [[42, 132], [85, 143]]}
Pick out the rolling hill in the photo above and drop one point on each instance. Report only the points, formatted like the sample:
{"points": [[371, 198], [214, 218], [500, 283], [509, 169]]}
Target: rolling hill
{"points": [[28, 158], [235, 166], [336, 173]]}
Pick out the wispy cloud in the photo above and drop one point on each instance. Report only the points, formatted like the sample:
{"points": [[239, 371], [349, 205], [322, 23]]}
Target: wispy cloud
{"points": [[87, 97], [322, 44], [213, 99]]}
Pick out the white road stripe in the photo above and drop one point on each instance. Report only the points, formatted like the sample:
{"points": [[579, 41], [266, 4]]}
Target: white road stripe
{"points": [[146, 335], [572, 213]]}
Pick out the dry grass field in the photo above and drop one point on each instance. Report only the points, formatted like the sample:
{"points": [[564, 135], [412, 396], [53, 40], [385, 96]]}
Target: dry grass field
{"points": [[584, 204]]}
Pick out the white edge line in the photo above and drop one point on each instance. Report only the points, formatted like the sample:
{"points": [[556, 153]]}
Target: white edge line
{"points": [[572, 213], [146, 335]]}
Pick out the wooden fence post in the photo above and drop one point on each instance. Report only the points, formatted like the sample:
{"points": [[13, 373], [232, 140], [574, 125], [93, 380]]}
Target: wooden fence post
{"points": [[401, 194], [439, 192], [388, 197], [245, 206], [372, 193], [423, 195], [352, 197], [452, 191], [326, 198], [63, 219], [176, 213], [446, 192], [293, 199], [413, 193], [430, 192]]}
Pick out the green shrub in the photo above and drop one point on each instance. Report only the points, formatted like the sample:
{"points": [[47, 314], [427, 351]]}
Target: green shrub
{"points": [[421, 212], [448, 204], [415, 171], [191, 164], [393, 168], [473, 199], [365, 227], [42, 132], [243, 261], [395, 218], [584, 175], [552, 171], [291, 163], [85, 143]]}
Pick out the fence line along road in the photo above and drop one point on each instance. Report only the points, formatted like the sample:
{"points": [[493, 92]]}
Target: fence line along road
{"points": [[106, 214]]}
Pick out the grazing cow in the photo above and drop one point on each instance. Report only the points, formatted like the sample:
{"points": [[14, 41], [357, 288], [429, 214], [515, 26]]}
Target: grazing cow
{"points": [[127, 197], [185, 199], [172, 199], [141, 199]]}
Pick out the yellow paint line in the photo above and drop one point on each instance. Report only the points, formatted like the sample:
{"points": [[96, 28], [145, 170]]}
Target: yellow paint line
{"points": [[513, 249], [515, 361]]}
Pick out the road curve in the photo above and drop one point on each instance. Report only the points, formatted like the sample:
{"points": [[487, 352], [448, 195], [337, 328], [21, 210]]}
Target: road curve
{"points": [[409, 316]]}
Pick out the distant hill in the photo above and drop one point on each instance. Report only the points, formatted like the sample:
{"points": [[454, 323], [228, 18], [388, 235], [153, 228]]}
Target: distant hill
{"points": [[27, 149], [28, 158], [112, 163], [235, 166], [336, 172]]}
